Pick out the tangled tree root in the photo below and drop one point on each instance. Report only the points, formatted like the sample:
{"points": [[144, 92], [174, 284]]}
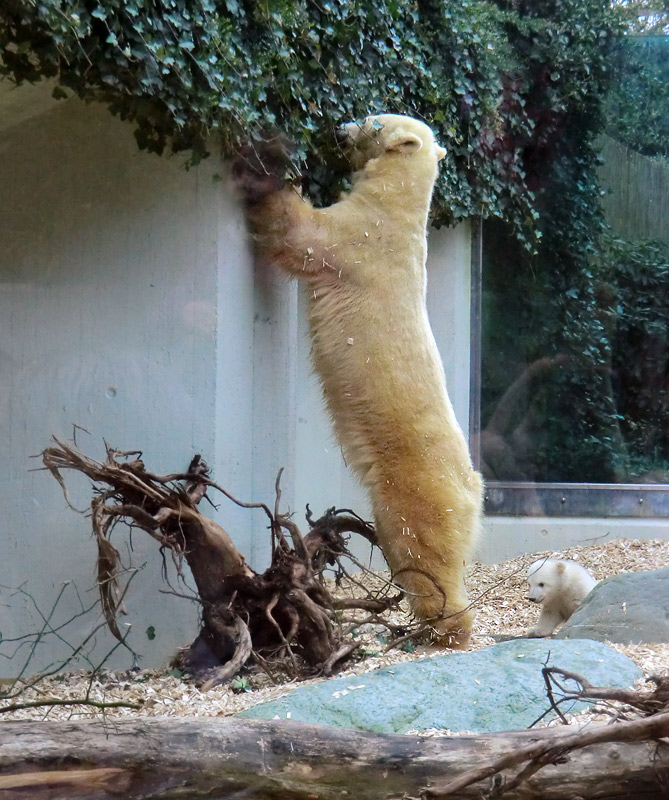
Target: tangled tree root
{"points": [[285, 616]]}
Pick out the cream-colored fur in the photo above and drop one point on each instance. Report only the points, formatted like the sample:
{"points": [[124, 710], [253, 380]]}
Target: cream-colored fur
{"points": [[363, 262], [561, 586]]}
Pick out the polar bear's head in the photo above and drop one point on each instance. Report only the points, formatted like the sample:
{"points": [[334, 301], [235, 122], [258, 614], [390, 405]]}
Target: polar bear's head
{"points": [[544, 578], [389, 134]]}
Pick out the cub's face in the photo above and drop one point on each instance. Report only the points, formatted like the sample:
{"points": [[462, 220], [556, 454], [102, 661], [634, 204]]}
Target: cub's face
{"points": [[540, 577], [388, 133]]}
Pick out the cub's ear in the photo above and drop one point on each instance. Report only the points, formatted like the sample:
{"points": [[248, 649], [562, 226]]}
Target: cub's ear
{"points": [[440, 151], [403, 142], [560, 568]]}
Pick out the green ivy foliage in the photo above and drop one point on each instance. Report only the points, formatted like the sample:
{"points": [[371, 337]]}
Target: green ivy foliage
{"points": [[499, 81], [591, 302], [636, 107], [644, 17]]}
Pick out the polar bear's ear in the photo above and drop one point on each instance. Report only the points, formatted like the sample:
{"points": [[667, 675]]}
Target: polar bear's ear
{"points": [[440, 151], [403, 142], [560, 567]]}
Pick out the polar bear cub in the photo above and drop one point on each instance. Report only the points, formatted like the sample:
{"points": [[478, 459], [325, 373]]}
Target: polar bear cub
{"points": [[560, 586]]}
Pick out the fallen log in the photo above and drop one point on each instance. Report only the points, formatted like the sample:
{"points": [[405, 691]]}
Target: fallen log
{"points": [[284, 760]]}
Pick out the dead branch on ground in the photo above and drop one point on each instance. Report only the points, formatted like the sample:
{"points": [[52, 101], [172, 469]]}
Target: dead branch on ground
{"points": [[643, 703], [651, 726]]}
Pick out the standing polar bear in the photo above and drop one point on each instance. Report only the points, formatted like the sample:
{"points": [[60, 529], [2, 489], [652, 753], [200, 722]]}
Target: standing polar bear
{"points": [[363, 263], [560, 586]]}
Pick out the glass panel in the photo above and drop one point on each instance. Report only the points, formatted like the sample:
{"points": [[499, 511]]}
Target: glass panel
{"points": [[574, 352]]}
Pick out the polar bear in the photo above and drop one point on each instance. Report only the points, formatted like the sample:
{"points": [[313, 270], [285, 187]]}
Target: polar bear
{"points": [[362, 261], [560, 586]]}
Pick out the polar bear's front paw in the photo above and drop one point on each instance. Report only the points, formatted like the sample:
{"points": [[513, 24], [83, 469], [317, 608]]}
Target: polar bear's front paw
{"points": [[259, 168], [538, 633]]}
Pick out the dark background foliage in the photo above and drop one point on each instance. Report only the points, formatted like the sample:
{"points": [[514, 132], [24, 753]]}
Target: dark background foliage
{"points": [[589, 300], [637, 107]]}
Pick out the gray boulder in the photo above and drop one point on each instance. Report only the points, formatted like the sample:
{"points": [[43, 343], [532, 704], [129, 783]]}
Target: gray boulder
{"points": [[496, 689], [630, 608]]}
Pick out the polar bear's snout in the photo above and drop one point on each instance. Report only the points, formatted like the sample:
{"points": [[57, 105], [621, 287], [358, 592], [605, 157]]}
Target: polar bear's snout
{"points": [[360, 141], [537, 594], [342, 134], [349, 132]]}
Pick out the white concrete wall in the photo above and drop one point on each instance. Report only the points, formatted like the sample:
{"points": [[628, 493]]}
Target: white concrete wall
{"points": [[129, 306], [106, 321]]}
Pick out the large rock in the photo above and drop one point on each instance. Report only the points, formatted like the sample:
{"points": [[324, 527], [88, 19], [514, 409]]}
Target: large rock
{"points": [[631, 608], [495, 689]]}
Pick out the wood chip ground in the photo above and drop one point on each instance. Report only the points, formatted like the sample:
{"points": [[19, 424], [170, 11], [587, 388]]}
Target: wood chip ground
{"points": [[500, 595]]}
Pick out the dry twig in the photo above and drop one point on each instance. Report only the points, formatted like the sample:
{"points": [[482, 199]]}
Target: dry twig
{"points": [[654, 706]]}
